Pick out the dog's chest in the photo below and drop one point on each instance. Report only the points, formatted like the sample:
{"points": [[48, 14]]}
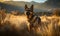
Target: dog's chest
{"points": [[33, 20]]}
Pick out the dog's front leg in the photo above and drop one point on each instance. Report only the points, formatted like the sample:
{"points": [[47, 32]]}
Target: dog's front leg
{"points": [[28, 26]]}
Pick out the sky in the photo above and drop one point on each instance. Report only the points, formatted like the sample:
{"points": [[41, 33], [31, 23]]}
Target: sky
{"points": [[39, 1]]}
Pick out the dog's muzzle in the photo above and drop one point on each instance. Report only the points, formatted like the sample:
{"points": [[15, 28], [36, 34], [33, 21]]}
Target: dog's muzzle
{"points": [[27, 13]]}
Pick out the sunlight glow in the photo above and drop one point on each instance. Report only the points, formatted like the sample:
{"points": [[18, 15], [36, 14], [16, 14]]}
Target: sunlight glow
{"points": [[39, 1]]}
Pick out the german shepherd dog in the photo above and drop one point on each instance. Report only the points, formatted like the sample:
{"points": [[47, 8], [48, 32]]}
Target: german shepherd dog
{"points": [[34, 20]]}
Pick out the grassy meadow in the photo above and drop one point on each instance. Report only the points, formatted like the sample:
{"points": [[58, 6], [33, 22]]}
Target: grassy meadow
{"points": [[14, 24]]}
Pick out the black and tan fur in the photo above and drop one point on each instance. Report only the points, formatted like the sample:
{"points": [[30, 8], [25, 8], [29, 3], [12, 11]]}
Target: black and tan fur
{"points": [[34, 20]]}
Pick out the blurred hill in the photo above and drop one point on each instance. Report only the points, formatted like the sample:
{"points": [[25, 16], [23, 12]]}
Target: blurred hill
{"points": [[19, 5], [9, 7], [53, 3]]}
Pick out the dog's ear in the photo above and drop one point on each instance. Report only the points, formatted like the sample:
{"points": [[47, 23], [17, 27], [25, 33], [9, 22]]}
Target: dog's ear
{"points": [[26, 6], [32, 6]]}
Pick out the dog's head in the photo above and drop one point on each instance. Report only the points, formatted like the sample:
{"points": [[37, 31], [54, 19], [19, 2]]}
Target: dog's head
{"points": [[28, 11]]}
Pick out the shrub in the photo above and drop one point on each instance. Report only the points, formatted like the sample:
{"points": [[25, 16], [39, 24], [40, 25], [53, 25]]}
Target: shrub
{"points": [[56, 12]]}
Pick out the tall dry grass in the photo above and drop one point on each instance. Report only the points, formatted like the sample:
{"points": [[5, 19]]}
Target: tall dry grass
{"points": [[13, 25]]}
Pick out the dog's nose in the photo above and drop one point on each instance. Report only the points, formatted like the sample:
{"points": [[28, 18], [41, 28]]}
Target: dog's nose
{"points": [[28, 13]]}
